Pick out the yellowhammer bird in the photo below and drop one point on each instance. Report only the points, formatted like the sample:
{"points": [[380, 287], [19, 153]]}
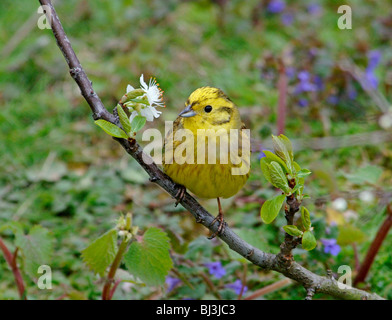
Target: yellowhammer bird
{"points": [[192, 165]]}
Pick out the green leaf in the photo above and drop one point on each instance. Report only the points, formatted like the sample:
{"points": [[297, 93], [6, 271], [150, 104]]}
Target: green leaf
{"points": [[36, 248], [283, 149], [138, 123], [149, 259], [305, 216], [349, 235], [296, 166], [100, 254], [278, 177], [293, 230], [273, 157], [271, 208], [265, 168], [288, 145], [111, 129], [308, 241], [124, 119], [132, 95], [303, 173]]}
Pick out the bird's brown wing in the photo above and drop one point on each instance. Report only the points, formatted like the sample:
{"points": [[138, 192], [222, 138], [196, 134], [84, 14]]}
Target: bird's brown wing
{"points": [[170, 144]]}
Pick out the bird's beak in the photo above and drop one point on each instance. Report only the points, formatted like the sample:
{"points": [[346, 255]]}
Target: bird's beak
{"points": [[187, 112]]}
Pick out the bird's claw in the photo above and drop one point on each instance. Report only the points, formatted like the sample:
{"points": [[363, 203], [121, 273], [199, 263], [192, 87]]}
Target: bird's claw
{"points": [[221, 227], [180, 194]]}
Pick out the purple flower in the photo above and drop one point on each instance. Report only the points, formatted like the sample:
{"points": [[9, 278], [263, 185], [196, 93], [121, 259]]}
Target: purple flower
{"points": [[276, 6], [261, 155], [287, 18], [303, 102], [237, 286], [304, 84], [303, 76], [314, 8], [371, 78], [172, 283], [319, 83], [216, 269], [331, 246], [333, 99], [290, 72], [374, 58]]}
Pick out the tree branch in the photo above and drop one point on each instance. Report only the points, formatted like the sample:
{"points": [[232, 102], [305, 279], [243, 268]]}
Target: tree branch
{"points": [[375, 246], [11, 260], [262, 259]]}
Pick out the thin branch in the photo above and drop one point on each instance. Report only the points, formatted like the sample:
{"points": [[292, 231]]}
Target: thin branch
{"points": [[264, 260], [282, 102], [374, 247], [270, 288], [11, 260]]}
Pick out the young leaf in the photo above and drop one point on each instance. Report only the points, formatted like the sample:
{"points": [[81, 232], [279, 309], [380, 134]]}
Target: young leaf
{"points": [[296, 166], [149, 259], [132, 95], [303, 173], [305, 216], [273, 157], [288, 145], [308, 241], [36, 247], [271, 208], [278, 177], [124, 119], [283, 149], [293, 230], [138, 123], [100, 254], [111, 129], [265, 169]]}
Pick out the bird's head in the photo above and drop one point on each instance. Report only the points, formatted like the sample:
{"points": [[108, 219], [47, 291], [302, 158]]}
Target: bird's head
{"points": [[209, 107]]}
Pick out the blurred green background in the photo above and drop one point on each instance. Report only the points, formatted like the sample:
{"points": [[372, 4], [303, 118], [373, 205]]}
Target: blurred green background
{"points": [[59, 170]]}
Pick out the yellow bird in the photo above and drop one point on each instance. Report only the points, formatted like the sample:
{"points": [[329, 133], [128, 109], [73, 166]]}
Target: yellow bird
{"points": [[190, 166]]}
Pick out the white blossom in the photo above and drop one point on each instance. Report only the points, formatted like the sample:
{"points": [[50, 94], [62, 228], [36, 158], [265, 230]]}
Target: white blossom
{"points": [[154, 97]]}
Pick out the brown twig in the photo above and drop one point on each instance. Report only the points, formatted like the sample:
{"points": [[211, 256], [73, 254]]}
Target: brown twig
{"points": [[11, 260], [262, 259], [374, 247], [270, 288], [282, 102]]}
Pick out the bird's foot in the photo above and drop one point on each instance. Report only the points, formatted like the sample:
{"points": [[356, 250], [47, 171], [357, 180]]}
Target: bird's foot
{"points": [[221, 226], [180, 194]]}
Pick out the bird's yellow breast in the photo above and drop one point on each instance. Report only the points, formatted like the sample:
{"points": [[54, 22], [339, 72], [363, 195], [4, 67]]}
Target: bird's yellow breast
{"points": [[191, 165], [205, 168]]}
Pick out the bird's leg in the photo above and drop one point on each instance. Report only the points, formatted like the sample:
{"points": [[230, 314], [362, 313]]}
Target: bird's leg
{"points": [[221, 220], [180, 194]]}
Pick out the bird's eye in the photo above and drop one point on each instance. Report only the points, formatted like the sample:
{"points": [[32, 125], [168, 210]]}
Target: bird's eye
{"points": [[208, 109]]}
